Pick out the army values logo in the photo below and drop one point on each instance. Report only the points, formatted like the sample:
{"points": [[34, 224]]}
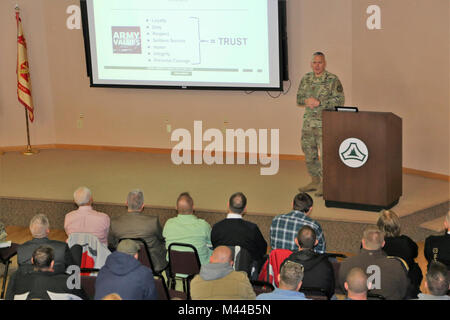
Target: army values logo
{"points": [[126, 40], [353, 152]]}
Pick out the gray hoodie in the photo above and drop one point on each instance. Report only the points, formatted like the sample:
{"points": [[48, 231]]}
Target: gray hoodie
{"points": [[214, 271]]}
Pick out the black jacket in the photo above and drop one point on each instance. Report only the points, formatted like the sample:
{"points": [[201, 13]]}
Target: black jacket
{"points": [[239, 232], [401, 246], [63, 257], [405, 248], [38, 283], [318, 271], [437, 248]]}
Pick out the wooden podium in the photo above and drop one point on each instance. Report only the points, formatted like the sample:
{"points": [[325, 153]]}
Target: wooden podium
{"points": [[373, 181]]}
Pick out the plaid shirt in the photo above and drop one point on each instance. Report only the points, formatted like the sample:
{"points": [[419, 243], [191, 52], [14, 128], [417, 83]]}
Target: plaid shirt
{"points": [[285, 227]]}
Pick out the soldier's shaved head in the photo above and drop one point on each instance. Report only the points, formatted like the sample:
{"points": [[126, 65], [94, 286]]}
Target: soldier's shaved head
{"points": [[356, 281], [221, 254]]}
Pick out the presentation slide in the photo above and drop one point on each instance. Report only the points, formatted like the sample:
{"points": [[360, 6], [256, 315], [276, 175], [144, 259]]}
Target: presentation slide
{"points": [[184, 43]]}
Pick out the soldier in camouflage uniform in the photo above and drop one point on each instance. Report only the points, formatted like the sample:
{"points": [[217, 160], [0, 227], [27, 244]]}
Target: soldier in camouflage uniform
{"points": [[318, 90]]}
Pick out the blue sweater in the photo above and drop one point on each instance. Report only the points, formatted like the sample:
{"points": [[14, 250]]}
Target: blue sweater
{"points": [[126, 276]]}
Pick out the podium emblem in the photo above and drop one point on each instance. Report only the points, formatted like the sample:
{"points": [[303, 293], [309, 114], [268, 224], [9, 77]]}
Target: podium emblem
{"points": [[353, 152]]}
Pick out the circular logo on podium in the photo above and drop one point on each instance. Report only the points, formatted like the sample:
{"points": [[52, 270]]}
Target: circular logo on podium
{"points": [[353, 152]]}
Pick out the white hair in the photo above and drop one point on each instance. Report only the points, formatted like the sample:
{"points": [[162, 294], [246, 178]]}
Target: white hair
{"points": [[135, 200], [82, 196], [39, 225]]}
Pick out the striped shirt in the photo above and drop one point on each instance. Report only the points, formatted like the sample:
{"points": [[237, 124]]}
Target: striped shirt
{"points": [[285, 227]]}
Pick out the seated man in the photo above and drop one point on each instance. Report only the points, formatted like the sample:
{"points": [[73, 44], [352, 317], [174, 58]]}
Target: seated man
{"points": [[437, 248], [135, 224], [285, 227], [187, 228], [356, 285], [40, 228], [42, 283], [125, 275], [218, 281], [388, 275], [234, 231], [86, 219], [318, 271], [437, 282], [290, 282]]}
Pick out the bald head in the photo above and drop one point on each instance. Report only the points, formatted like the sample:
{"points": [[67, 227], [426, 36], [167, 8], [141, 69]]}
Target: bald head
{"points": [[185, 204], [356, 281], [221, 254]]}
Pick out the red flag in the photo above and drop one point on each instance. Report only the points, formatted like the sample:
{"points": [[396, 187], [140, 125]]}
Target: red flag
{"points": [[23, 74]]}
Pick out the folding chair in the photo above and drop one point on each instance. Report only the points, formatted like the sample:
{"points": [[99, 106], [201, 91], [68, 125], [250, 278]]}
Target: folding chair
{"points": [[315, 293], [88, 285], [374, 296], [261, 286], [164, 293], [6, 255], [144, 256], [336, 267], [186, 263]]}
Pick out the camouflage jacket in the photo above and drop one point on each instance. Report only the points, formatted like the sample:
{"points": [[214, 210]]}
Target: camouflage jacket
{"points": [[327, 89]]}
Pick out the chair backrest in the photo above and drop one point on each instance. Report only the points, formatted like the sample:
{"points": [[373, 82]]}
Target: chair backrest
{"points": [[315, 293], [261, 286], [94, 252], [88, 285], [271, 268], [185, 262], [242, 259], [161, 288], [337, 286], [374, 296], [144, 256]]}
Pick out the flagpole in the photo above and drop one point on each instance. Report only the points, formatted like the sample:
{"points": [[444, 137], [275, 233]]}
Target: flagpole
{"points": [[29, 151]]}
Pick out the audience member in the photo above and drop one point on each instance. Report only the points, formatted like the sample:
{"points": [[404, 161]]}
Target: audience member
{"points": [[285, 227], [318, 271], [218, 281], [388, 275], [112, 296], [290, 282], [86, 219], [437, 248], [135, 224], [356, 285], [437, 282], [187, 228], [40, 228], [3, 233], [400, 246], [3, 236], [42, 283], [235, 231], [125, 275]]}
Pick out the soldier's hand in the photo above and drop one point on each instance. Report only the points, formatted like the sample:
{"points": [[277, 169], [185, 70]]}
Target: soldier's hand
{"points": [[312, 103], [315, 103]]}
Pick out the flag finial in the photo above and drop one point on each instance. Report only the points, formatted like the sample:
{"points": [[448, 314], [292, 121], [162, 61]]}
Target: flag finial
{"points": [[17, 8]]}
